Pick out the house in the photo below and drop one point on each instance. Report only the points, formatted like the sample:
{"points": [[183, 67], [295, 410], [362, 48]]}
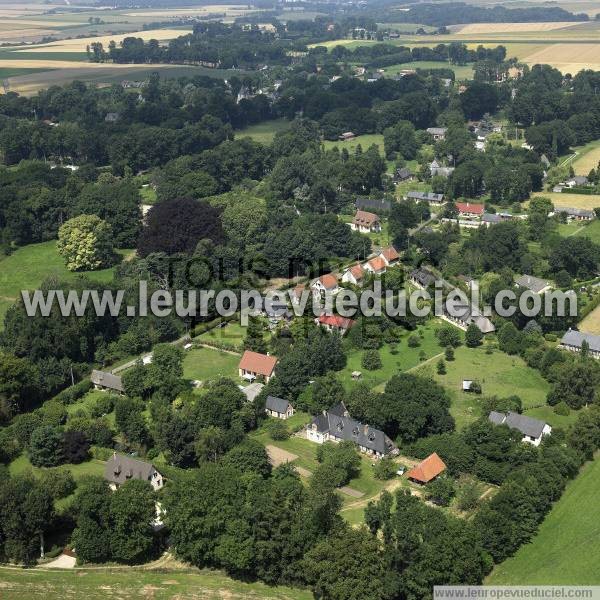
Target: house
{"points": [[468, 209], [335, 323], [426, 197], [255, 364], [436, 169], [576, 214], [427, 470], [573, 340], [438, 133], [376, 266], [278, 408], [422, 278], [326, 284], [576, 181], [533, 430], [491, 219], [107, 381], [463, 317], [336, 425], [390, 256], [354, 275], [348, 135], [403, 174], [533, 284], [111, 117], [120, 469], [252, 390], [365, 222]]}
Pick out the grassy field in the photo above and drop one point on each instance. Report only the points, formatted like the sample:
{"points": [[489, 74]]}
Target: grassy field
{"points": [[208, 363], [232, 333], [365, 142], [588, 157], [21, 464], [264, 132], [499, 375], [565, 550], [461, 71], [571, 200], [406, 358], [591, 323], [129, 583], [28, 266]]}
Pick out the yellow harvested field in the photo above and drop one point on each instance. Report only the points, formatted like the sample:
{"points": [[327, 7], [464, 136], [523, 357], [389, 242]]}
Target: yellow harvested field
{"points": [[509, 27], [591, 323], [587, 162], [572, 200], [80, 44], [568, 58], [228, 9], [9, 24]]}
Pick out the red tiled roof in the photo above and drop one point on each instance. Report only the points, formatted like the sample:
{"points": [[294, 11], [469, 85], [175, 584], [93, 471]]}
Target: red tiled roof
{"points": [[357, 271], [297, 291], [364, 218], [467, 207], [390, 254], [377, 264], [427, 469], [329, 281], [258, 363], [336, 321]]}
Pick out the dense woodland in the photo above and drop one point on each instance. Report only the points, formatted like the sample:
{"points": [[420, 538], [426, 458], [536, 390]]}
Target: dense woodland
{"points": [[242, 213]]}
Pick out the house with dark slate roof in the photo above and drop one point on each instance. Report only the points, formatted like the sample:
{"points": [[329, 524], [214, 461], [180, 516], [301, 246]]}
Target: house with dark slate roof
{"points": [[120, 469], [573, 340], [422, 278], [336, 425], [278, 408], [533, 430], [533, 284], [103, 380]]}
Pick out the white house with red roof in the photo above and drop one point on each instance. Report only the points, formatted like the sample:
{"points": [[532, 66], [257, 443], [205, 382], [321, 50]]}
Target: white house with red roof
{"points": [[335, 323], [468, 209], [255, 364], [354, 275], [326, 284], [366, 222], [376, 266], [390, 256]]}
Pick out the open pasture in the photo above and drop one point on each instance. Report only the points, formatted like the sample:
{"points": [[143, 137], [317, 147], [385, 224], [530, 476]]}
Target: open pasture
{"points": [[589, 201], [472, 28]]}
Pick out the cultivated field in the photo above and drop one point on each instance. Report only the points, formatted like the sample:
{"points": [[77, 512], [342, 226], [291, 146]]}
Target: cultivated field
{"points": [[472, 28], [565, 550], [460, 71], [587, 159], [589, 201]]}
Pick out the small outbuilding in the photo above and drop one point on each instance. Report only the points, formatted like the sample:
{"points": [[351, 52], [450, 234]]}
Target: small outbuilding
{"points": [[427, 470]]}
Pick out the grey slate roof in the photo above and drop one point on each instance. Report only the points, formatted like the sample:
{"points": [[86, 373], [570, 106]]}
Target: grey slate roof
{"points": [[426, 196], [346, 428], [423, 277], [278, 405], [437, 130], [464, 314], [403, 173], [372, 204], [576, 338], [535, 284], [576, 212], [491, 218], [107, 380], [526, 425], [120, 469]]}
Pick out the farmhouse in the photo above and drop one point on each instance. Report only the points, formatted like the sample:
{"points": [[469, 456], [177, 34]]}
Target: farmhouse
{"points": [[427, 470], [467, 209], [576, 214], [254, 364], [278, 408], [335, 323], [390, 256], [422, 278], [325, 284], [376, 266], [354, 275], [120, 469], [426, 197], [107, 381], [436, 169], [573, 340], [463, 317], [336, 425], [438, 133], [365, 222], [403, 174], [371, 204], [577, 180], [491, 219], [533, 430], [348, 135], [533, 284]]}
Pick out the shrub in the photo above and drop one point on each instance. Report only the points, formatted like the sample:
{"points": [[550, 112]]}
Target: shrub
{"points": [[441, 490], [59, 483], [562, 409], [73, 393], [414, 341], [384, 469], [468, 496], [449, 353], [278, 430], [441, 367], [103, 405], [371, 360]]}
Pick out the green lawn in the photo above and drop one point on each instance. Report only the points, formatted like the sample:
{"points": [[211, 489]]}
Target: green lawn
{"points": [[405, 359], [27, 267], [460, 71], [499, 375], [566, 550], [264, 132], [232, 333], [161, 584], [208, 363], [365, 142], [90, 467], [85, 404], [591, 231], [148, 195]]}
